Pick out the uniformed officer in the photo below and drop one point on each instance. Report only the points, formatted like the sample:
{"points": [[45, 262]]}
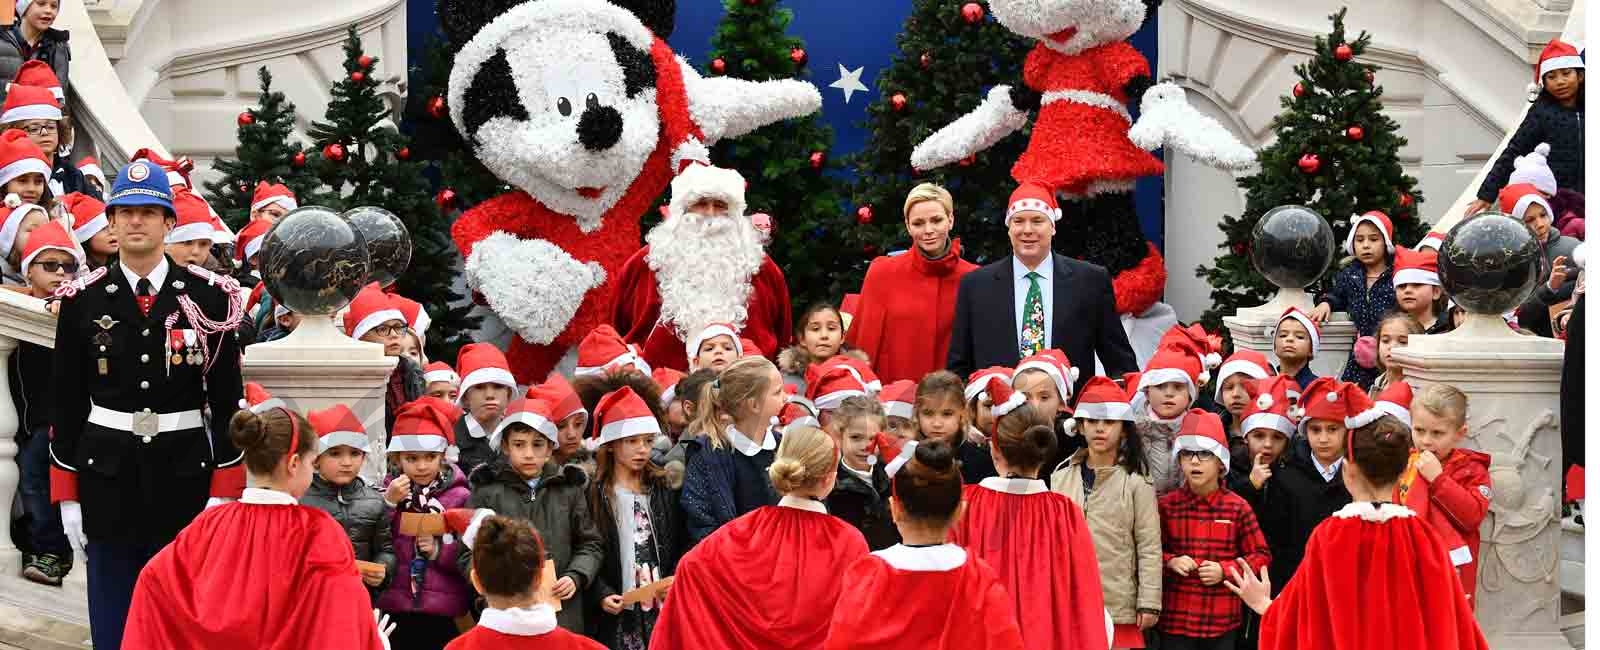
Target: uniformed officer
{"points": [[146, 377]]}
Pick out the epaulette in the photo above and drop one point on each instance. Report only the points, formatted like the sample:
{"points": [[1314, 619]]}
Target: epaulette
{"points": [[226, 283], [71, 288]]}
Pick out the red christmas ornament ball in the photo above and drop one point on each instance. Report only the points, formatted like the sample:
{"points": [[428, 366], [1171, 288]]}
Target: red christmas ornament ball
{"points": [[298, 159], [1310, 163], [334, 151], [1299, 90], [446, 198], [1239, 248], [972, 12], [752, 2], [869, 250], [898, 101], [798, 55], [926, 60], [1406, 200], [1343, 52], [404, 153], [818, 158], [364, 61], [967, 162], [247, 118], [437, 109], [719, 66], [864, 215], [1355, 133], [358, 76]]}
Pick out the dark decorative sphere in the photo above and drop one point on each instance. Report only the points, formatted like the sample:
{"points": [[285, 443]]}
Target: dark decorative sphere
{"points": [[1490, 263], [1291, 246], [313, 261], [388, 242]]}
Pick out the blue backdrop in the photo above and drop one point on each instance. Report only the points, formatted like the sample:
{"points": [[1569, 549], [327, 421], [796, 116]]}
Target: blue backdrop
{"points": [[836, 32]]}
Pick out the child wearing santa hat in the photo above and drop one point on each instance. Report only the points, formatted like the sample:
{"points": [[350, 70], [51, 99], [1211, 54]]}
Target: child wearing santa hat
{"points": [[441, 381], [1263, 483], [271, 202], [942, 417], [1418, 291], [1234, 388], [1534, 169], [732, 444], [1458, 487], [1556, 119], [1524, 203], [91, 227], [338, 489], [1205, 529], [1295, 340], [17, 227], [1308, 487], [24, 171], [94, 177], [32, 108], [486, 388], [1364, 288], [506, 564], [1162, 397], [899, 408], [189, 241], [524, 482], [860, 493], [1046, 379], [714, 347], [819, 334], [571, 407], [979, 416]]}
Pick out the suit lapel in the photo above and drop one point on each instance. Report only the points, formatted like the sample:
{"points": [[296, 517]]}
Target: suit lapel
{"points": [[1007, 297], [1061, 296]]}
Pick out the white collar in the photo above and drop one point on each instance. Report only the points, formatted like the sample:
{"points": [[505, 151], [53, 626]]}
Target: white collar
{"points": [[1021, 270], [865, 476], [532, 621], [157, 277], [1374, 512], [1329, 471], [747, 446], [1013, 485], [802, 503], [473, 428], [944, 557], [264, 497]]}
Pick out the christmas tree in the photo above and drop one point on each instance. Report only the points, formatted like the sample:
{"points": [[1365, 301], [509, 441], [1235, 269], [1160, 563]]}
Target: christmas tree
{"points": [[265, 152], [1336, 153], [787, 163], [365, 161], [462, 181], [950, 55]]}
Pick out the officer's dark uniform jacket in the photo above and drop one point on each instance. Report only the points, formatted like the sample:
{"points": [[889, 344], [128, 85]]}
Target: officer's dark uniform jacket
{"points": [[139, 441]]}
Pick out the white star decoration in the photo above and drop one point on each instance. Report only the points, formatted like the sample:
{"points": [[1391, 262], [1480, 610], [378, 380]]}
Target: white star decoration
{"points": [[849, 81]]}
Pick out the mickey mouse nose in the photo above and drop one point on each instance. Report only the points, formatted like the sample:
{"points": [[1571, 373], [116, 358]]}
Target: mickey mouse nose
{"points": [[599, 128]]}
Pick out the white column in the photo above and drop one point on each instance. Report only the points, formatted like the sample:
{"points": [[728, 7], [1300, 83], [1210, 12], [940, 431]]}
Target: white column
{"points": [[1513, 386], [10, 557], [1251, 329]]}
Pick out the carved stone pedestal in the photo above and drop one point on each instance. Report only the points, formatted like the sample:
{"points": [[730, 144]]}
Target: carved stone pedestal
{"points": [[1512, 384], [1251, 329], [317, 366]]}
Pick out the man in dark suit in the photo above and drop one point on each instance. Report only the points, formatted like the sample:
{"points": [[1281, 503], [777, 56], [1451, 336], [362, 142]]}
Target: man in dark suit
{"points": [[1036, 300]]}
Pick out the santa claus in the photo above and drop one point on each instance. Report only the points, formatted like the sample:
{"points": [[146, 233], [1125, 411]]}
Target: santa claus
{"points": [[704, 264]]}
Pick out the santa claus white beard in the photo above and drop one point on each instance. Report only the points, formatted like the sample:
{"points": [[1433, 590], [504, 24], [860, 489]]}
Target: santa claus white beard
{"points": [[703, 267]]}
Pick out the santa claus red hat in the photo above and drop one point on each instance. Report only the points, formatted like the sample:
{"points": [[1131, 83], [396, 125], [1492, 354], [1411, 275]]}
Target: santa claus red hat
{"points": [[893, 450], [1419, 266], [1395, 399], [250, 240], [13, 223], [1305, 320], [38, 74], [51, 236], [749, 349], [440, 371], [1202, 431], [91, 167], [415, 316], [1557, 55], [272, 193], [797, 410], [177, 170], [603, 350], [1433, 240], [564, 401], [1515, 199], [338, 425], [88, 215], [531, 411], [1130, 386], [1270, 409], [833, 386], [1003, 399], [369, 309], [979, 380], [1103, 399], [1329, 399], [19, 156], [426, 424], [622, 414], [257, 400], [714, 330], [1534, 169], [1379, 220], [30, 103], [707, 182], [1033, 197], [1245, 362], [483, 363], [1175, 362], [862, 370], [1054, 364], [194, 218], [1209, 345], [899, 399], [667, 380]]}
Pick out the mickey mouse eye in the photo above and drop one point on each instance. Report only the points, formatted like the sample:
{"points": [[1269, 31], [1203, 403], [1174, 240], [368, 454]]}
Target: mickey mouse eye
{"points": [[564, 106], [592, 101]]}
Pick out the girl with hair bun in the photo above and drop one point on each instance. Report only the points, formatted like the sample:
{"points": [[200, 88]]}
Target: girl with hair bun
{"points": [[1372, 552], [770, 578], [507, 556], [926, 593], [190, 594], [1038, 541]]}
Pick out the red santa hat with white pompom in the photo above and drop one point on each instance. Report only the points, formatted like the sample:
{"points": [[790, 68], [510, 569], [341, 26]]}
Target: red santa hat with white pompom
{"points": [[337, 425], [1271, 408], [1378, 220], [1395, 399], [1202, 431], [603, 350], [1054, 364], [529, 411], [257, 400], [622, 414], [1033, 197]]}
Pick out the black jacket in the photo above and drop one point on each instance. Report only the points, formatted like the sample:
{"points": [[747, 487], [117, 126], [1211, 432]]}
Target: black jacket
{"points": [[53, 48], [668, 535], [1289, 506], [366, 520], [71, 180], [865, 506], [1084, 320], [1547, 122], [30, 387]]}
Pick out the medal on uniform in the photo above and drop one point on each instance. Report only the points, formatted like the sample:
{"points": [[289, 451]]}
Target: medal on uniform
{"points": [[103, 337], [190, 341], [104, 368], [175, 341]]}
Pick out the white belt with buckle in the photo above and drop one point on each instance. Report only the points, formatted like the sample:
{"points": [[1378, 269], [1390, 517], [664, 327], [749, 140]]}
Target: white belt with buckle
{"points": [[145, 423]]}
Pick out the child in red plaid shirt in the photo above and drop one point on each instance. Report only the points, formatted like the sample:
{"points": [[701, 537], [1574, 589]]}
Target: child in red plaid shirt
{"points": [[1204, 528]]}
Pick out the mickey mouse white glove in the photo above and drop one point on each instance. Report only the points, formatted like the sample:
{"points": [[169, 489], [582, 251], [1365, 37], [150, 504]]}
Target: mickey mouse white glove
{"points": [[1167, 119]]}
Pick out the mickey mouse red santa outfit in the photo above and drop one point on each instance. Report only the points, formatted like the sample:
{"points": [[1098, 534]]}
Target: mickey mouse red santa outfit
{"points": [[618, 115]]}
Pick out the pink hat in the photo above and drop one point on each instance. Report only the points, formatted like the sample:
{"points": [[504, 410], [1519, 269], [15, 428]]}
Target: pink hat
{"points": [[1202, 431], [30, 103], [1053, 363], [1395, 399], [1243, 361], [440, 371], [1379, 220], [603, 349], [622, 414], [1033, 197], [369, 309], [38, 74], [531, 411], [835, 384], [899, 399], [52, 235], [1305, 320], [270, 193], [338, 425], [194, 218], [426, 424], [1270, 409], [483, 363], [564, 401], [250, 240], [1419, 266], [1102, 399], [667, 380], [979, 380]]}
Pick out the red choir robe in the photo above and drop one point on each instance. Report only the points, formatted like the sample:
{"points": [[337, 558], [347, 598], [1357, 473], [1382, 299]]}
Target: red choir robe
{"points": [[768, 580], [1039, 545], [533, 628], [923, 598], [636, 314], [261, 573], [905, 313], [1374, 577]]}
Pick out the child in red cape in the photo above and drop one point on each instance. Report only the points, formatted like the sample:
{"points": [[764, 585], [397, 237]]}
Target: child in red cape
{"points": [[924, 594], [506, 556], [1378, 554], [770, 578], [264, 572]]}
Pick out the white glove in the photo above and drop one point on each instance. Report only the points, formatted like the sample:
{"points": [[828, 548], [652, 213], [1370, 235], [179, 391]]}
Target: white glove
{"points": [[72, 524], [385, 627], [217, 501], [534, 285], [1167, 119], [986, 125]]}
